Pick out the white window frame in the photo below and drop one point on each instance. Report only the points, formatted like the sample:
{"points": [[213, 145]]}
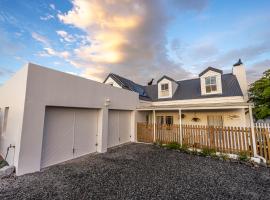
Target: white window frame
{"points": [[164, 85], [211, 84]]}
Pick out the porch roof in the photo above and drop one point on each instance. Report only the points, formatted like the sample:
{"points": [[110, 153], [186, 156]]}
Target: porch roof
{"points": [[207, 106]]}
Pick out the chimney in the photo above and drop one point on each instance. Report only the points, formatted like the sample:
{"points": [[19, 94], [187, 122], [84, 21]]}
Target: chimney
{"points": [[240, 72]]}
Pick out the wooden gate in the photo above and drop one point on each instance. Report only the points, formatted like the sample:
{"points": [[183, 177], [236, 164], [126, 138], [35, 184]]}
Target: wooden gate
{"points": [[145, 132]]}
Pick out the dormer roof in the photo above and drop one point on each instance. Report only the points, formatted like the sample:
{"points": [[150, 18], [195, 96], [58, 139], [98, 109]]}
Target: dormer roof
{"points": [[210, 69], [165, 77]]}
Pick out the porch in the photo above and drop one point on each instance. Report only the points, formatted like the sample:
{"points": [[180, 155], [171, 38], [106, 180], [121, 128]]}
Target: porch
{"points": [[227, 129]]}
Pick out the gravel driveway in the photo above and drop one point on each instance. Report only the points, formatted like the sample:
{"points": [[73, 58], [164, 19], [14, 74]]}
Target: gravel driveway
{"points": [[140, 171]]}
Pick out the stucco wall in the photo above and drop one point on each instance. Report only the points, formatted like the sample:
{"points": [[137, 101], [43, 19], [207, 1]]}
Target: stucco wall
{"points": [[12, 95], [47, 87]]}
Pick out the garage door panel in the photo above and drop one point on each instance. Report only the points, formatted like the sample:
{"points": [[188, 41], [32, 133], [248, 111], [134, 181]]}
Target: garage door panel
{"points": [[124, 131], [118, 127], [58, 137], [113, 135], [85, 132], [68, 133]]}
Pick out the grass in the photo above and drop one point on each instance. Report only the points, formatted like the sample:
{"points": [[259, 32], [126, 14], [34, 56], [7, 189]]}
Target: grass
{"points": [[208, 152], [243, 156]]}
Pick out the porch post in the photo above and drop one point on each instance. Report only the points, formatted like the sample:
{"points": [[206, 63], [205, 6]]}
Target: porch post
{"points": [[180, 126], [154, 127], [252, 131]]}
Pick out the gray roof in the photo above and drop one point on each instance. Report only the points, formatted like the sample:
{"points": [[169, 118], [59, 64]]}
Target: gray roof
{"points": [[212, 69], [187, 89]]}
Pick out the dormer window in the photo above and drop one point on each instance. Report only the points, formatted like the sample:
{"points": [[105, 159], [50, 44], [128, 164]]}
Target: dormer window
{"points": [[164, 89], [211, 84]]}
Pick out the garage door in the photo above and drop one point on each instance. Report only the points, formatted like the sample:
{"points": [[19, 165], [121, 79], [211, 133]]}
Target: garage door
{"points": [[68, 133], [119, 129]]}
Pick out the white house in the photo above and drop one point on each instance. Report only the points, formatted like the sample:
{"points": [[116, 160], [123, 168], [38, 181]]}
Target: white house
{"points": [[48, 117]]}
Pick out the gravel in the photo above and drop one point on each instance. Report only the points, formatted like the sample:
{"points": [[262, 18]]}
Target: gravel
{"points": [[141, 171]]}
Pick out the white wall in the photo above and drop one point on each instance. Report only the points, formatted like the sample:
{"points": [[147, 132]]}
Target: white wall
{"points": [[240, 73], [218, 79], [46, 87], [12, 95], [112, 82]]}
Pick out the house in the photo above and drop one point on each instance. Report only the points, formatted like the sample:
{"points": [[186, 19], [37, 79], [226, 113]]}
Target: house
{"points": [[214, 98], [48, 117]]}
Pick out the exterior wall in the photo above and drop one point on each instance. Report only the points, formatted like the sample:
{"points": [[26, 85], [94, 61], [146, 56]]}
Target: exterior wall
{"points": [[46, 87], [112, 82], [219, 85], [12, 95], [227, 115]]}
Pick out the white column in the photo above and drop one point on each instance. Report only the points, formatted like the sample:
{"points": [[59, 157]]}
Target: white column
{"points": [[154, 121], [252, 131], [180, 126], [102, 136], [133, 126]]}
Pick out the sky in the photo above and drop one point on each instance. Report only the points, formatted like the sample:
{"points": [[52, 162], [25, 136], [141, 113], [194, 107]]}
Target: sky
{"points": [[137, 39]]}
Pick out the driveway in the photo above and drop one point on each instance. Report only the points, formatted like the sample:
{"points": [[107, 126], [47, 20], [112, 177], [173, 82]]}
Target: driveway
{"points": [[140, 171]]}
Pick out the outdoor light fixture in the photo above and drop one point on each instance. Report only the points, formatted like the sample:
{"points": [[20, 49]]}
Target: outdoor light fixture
{"points": [[107, 102]]}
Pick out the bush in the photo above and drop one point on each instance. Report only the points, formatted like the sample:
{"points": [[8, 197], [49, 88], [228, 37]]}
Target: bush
{"points": [[243, 156], [184, 148], [224, 156], [208, 152], [3, 163], [173, 145]]}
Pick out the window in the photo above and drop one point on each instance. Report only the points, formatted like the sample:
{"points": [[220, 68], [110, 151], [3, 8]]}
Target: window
{"points": [[4, 127], [215, 120], [210, 84], [160, 120], [169, 120], [165, 87]]}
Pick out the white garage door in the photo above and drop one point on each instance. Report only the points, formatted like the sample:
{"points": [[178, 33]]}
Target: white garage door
{"points": [[68, 133], [119, 129]]}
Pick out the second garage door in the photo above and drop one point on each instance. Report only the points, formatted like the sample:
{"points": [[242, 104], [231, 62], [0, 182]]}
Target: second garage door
{"points": [[68, 133], [119, 129]]}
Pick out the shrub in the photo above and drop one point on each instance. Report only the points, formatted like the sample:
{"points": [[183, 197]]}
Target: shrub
{"points": [[184, 148], [243, 156], [224, 156], [208, 152], [3, 163], [173, 145]]}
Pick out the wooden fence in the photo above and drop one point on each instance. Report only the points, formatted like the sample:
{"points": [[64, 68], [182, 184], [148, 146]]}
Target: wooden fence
{"points": [[223, 139]]}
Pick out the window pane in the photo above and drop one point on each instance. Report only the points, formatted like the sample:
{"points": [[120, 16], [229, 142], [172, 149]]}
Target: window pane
{"points": [[208, 88], [164, 87], [213, 87], [169, 120], [207, 81], [213, 80]]}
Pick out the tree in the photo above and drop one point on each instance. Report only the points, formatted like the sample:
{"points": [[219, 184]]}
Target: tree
{"points": [[260, 96]]}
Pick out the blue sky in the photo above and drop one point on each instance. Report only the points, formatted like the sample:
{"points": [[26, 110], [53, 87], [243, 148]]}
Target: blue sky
{"points": [[136, 39]]}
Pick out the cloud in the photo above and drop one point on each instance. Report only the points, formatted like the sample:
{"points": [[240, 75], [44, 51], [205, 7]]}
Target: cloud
{"points": [[5, 72], [256, 70], [65, 36], [60, 54], [125, 37], [40, 38], [47, 17], [52, 6]]}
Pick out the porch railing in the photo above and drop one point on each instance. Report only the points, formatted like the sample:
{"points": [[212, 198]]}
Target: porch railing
{"points": [[223, 139]]}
